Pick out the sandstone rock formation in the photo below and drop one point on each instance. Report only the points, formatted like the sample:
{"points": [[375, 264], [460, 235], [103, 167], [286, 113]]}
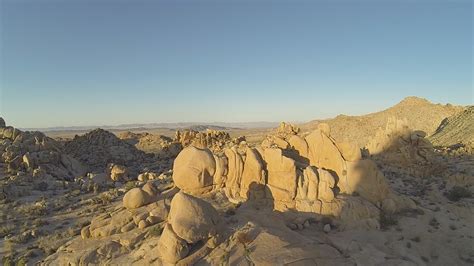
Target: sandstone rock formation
{"points": [[323, 183]]}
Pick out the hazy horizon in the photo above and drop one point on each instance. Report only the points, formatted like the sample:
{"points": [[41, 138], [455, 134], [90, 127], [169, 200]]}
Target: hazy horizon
{"points": [[87, 63]]}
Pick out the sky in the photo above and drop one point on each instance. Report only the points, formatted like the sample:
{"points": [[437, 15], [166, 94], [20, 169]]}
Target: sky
{"points": [[104, 62]]}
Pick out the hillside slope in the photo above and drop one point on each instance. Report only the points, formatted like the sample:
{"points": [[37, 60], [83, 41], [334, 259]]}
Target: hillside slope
{"points": [[458, 128], [420, 114]]}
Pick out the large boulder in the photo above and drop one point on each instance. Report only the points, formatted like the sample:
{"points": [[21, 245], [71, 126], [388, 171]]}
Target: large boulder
{"points": [[171, 247], [220, 175], [281, 175], [193, 170], [191, 218], [253, 176], [235, 169], [324, 153], [137, 197]]}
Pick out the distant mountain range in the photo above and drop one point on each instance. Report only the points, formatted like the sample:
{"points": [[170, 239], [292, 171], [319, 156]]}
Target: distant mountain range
{"points": [[183, 125]]}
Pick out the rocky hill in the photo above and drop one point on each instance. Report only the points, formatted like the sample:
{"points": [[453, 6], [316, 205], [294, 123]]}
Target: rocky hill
{"points": [[458, 128], [420, 114]]}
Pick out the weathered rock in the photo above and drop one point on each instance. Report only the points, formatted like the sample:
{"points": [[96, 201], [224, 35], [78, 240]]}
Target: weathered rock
{"points": [[253, 176], [308, 185], [235, 166], [325, 185], [2, 122], [220, 175], [171, 247], [191, 218], [299, 144], [324, 153], [349, 151], [135, 198], [193, 170], [281, 175], [117, 172]]}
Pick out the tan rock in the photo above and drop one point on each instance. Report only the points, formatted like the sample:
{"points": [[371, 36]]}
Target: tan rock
{"points": [[117, 172], [135, 198], [325, 185], [325, 128], [220, 175], [281, 175], [281, 143], [253, 176], [191, 218], [308, 185], [323, 153], [299, 144], [171, 247], [235, 169], [193, 170], [349, 151]]}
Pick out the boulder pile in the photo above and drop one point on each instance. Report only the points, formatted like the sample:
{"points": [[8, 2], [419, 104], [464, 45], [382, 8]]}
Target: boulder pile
{"points": [[215, 140], [162, 146], [35, 153], [99, 147]]}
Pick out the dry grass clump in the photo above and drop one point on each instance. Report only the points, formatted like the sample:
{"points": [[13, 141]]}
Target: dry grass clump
{"points": [[38, 208]]}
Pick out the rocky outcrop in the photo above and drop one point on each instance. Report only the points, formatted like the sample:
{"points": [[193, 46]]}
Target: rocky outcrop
{"points": [[399, 146], [324, 182], [99, 147], [34, 152], [214, 140]]}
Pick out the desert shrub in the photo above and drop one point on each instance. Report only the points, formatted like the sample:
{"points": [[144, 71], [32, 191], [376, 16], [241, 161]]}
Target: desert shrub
{"points": [[129, 185], [387, 220], [457, 193], [6, 229], [49, 244], [106, 197], [8, 261], [156, 230], [35, 209]]}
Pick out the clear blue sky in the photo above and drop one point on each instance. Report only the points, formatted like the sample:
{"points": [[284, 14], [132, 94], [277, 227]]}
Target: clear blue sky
{"points": [[110, 62]]}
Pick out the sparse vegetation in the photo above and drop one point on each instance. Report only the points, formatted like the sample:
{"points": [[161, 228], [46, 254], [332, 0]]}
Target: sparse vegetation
{"points": [[387, 220], [129, 185], [457, 193], [6, 229]]}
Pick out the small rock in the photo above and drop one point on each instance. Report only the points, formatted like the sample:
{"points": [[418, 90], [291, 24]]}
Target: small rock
{"points": [[327, 228], [292, 226]]}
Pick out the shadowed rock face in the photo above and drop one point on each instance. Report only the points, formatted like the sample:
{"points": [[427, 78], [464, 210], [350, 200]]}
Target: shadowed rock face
{"points": [[99, 147]]}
